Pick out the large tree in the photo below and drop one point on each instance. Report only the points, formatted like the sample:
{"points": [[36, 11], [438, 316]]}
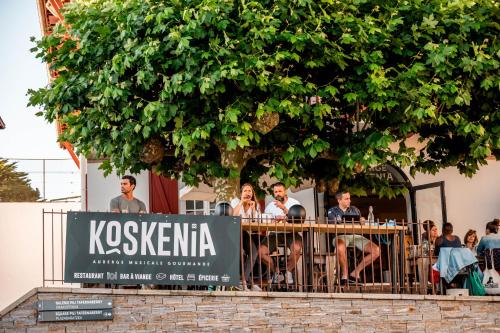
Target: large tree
{"points": [[15, 185], [218, 90]]}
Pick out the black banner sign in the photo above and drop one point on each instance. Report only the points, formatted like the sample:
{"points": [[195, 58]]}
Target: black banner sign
{"points": [[96, 314], [152, 249], [75, 304]]}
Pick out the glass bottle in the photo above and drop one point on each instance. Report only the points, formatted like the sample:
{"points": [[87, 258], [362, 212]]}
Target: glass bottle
{"points": [[371, 217]]}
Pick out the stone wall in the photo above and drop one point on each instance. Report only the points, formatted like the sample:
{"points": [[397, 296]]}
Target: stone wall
{"points": [[200, 311]]}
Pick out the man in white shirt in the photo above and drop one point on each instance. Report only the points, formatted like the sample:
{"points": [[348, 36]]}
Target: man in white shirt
{"points": [[279, 209]]}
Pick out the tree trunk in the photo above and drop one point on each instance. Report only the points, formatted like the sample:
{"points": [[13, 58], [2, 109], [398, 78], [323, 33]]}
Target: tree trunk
{"points": [[226, 188], [229, 188]]}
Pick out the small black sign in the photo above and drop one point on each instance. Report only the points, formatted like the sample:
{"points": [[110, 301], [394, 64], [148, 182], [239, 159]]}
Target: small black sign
{"points": [[75, 304], [68, 315]]}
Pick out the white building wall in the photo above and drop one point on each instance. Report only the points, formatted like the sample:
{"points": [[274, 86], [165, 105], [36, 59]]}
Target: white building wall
{"points": [[21, 258], [470, 202]]}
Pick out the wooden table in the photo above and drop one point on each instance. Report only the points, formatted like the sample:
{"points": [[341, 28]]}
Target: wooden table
{"points": [[396, 233], [346, 228]]}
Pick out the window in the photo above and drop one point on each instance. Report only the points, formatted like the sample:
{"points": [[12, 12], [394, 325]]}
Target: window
{"points": [[194, 207], [212, 208], [197, 207]]}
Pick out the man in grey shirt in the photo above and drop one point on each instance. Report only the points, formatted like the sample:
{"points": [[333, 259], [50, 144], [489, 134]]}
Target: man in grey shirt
{"points": [[126, 203]]}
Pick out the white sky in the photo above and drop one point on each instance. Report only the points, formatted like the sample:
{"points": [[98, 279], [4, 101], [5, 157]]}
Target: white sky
{"points": [[26, 135]]}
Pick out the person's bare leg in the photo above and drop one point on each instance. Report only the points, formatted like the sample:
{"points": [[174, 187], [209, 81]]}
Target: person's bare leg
{"points": [[341, 250], [373, 252], [266, 258], [295, 253]]}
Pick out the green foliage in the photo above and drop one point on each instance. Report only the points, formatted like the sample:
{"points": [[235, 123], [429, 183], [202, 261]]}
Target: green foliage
{"points": [[199, 74], [14, 185]]}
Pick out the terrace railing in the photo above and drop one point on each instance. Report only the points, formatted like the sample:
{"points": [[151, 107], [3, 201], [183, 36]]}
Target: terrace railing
{"points": [[402, 263]]}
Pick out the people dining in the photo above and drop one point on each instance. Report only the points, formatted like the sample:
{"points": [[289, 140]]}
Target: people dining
{"points": [[447, 239], [247, 206], [470, 240], [371, 251], [429, 237], [491, 240], [278, 208], [431, 232]]}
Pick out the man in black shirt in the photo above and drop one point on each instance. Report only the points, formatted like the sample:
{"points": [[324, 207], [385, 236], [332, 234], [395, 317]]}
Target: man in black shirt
{"points": [[337, 214]]}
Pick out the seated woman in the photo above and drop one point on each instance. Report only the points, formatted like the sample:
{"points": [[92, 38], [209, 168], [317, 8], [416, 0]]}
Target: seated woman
{"points": [[425, 258], [248, 208], [447, 239], [491, 240], [429, 236], [470, 240]]}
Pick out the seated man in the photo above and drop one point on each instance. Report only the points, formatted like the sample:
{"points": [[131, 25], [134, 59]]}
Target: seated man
{"points": [[337, 214], [491, 240], [279, 209]]}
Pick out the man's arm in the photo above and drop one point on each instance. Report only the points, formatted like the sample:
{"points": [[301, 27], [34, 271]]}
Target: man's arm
{"points": [[142, 207], [358, 212]]}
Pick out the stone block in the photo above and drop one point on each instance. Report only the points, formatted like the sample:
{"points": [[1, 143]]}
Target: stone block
{"points": [[124, 291], [44, 329], [415, 325], [467, 299], [320, 295], [277, 294], [143, 310], [405, 309], [185, 308], [136, 300], [215, 307], [240, 330], [118, 327], [381, 311], [53, 290], [371, 302], [269, 305], [381, 296], [137, 326], [149, 292], [439, 297], [397, 327], [97, 291], [404, 317], [74, 328], [161, 310], [431, 316], [345, 302], [188, 299], [295, 305], [413, 297], [484, 307], [57, 329]]}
